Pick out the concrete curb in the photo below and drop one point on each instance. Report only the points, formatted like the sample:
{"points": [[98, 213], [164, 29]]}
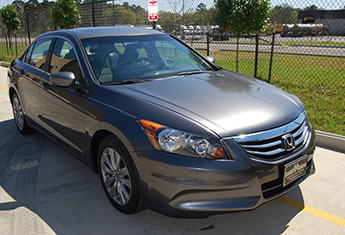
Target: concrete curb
{"points": [[330, 141], [4, 64], [297, 45]]}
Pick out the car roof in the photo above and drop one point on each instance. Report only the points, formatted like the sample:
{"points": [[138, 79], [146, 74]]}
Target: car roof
{"points": [[93, 32]]}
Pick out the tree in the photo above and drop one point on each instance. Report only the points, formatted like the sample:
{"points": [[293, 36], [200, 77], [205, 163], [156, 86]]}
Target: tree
{"points": [[141, 15], [311, 8], [19, 5], [46, 4], [124, 16], [32, 5], [284, 15], [65, 14], [209, 17], [126, 5], [241, 17], [10, 18], [167, 21]]}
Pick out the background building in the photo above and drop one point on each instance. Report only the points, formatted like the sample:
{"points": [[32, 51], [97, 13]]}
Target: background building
{"points": [[333, 20]]}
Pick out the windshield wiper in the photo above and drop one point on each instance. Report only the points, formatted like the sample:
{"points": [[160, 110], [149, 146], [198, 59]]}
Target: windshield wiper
{"points": [[190, 73], [129, 81]]}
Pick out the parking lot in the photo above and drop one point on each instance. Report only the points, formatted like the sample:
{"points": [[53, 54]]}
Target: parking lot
{"points": [[44, 190]]}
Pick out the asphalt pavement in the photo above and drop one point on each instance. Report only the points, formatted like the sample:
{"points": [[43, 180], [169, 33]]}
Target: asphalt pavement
{"points": [[318, 45], [44, 190], [278, 48]]}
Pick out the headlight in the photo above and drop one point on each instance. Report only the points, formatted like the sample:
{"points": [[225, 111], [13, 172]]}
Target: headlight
{"points": [[167, 139]]}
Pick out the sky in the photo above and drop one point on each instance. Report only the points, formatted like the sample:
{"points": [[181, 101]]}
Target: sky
{"points": [[168, 5]]}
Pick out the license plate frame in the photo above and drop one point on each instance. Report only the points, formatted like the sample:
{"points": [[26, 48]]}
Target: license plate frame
{"points": [[295, 170]]}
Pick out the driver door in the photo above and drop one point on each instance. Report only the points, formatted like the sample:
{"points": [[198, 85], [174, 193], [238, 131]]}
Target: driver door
{"points": [[62, 107]]}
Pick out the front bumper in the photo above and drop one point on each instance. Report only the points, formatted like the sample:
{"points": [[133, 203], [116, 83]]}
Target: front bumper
{"points": [[181, 186]]}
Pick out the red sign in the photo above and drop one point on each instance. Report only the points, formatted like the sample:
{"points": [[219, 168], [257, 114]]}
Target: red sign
{"points": [[153, 10]]}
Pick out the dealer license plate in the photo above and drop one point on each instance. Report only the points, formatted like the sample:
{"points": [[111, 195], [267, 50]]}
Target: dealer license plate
{"points": [[295, 169]]}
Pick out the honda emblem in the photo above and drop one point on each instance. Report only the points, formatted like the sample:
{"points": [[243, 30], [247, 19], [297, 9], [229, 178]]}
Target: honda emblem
{"points": [[289, 142]]}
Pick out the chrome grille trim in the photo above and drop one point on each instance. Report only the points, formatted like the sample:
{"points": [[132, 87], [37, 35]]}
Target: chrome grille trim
{"points": [[269, 144], [272, 133], [303, 138], [278, 142], [269, 153], [300, 130]]}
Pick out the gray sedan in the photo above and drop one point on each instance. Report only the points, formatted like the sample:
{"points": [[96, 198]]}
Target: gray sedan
{"points": [[163, 126]]}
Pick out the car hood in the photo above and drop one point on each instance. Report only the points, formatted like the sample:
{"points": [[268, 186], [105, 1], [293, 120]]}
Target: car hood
{"points": [[225, 102]]}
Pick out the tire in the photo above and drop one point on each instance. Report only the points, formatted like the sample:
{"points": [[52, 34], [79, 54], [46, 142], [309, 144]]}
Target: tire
{"points": [[119, 177], [19, 117]]}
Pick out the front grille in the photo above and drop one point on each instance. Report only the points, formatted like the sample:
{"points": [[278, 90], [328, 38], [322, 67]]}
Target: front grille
{"points": [[276, 143]]}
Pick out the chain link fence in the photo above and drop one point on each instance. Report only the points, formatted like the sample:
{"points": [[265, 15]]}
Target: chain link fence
{"points": [[307, 57]]}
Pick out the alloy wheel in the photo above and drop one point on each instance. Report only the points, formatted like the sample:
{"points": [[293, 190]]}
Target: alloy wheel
{"points": [[18, 113], [116, 176]]}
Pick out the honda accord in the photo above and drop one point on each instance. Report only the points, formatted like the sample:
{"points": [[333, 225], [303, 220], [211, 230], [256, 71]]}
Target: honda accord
{"points": [[163, 126]]}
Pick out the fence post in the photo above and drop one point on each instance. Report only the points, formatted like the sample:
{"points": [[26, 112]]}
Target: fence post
{"points": [[192, 39], [93, 15], [208, 38], [256, 54], [272, 48], [27, 23], [15, 41], [9, 41], [8, 53]]}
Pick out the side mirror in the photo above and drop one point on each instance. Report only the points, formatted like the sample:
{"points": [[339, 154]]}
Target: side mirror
{"points": [[211, 59], [62, 79]]}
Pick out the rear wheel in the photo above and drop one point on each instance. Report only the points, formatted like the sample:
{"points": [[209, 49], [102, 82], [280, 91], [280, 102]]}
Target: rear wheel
{"points": [[19, 117], [119, 177]]}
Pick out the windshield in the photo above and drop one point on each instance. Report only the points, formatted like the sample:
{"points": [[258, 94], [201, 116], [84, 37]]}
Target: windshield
{"points": [[139, 58]]}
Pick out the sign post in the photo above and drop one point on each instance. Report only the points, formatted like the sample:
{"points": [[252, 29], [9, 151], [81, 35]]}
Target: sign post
{"points": [[153, 12]]}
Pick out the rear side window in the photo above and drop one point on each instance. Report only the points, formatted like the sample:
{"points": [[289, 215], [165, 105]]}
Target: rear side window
{"points": [[27, 56], [39, 53]]}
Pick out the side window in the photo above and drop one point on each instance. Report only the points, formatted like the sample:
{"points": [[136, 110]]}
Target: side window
{"points": [[120, 47], [28, 54], [142, 53], [64, 59], [132, 46], [168, 51], [177, 54], [39, 53]]}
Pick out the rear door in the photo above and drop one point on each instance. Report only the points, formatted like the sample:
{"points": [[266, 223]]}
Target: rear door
{"points": [[32, 70]]}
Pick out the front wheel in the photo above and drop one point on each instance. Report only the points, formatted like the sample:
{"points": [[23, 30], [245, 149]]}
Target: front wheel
{"points": [[119, 177]]}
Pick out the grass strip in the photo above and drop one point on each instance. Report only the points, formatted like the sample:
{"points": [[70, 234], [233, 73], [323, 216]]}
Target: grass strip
{"points": [[318, 81], [21, 47]]}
